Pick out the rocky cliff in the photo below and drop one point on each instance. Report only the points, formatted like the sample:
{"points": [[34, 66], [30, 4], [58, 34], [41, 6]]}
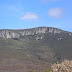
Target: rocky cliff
{"points": [[5, 33]]}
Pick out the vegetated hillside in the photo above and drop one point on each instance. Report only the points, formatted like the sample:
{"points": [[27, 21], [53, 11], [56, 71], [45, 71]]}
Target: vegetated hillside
{"points": [[38, 48]]}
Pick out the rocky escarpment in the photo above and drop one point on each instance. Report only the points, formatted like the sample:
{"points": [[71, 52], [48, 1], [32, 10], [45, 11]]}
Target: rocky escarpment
{"points": [[5, 33]]}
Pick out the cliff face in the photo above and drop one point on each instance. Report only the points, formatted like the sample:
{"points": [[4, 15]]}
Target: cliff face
{"points": [[17, 33]]}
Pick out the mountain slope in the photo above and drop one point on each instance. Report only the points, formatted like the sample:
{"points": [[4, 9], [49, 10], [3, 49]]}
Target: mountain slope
{"points": [[41, 45]]}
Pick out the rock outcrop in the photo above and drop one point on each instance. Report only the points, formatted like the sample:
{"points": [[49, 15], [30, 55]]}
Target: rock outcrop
{"points": [[17, 33]]}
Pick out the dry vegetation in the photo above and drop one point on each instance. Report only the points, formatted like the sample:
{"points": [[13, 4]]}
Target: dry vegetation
{"points": [[15, 65], [65, 66]]}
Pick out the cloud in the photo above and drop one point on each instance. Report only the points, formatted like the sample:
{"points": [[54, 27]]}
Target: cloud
{"points": [[30, 16], [56, 12]]}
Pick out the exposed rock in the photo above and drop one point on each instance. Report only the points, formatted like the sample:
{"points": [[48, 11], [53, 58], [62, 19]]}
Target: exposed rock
{"points": [[60, 38], [39, 37], [17, 33], [70, 34]]}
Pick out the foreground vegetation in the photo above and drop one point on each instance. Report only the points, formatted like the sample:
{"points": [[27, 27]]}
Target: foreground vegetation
{"points": [[65, 66]]}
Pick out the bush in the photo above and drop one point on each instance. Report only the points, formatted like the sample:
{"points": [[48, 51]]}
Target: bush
{"points": [[65, 66]]}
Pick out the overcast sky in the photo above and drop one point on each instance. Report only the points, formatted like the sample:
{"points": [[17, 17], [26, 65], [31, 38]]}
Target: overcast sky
{"points": [[22, 14]]}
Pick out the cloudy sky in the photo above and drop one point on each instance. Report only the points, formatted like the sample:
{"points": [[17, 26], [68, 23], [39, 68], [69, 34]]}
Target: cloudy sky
{"points": [[22, 14]]}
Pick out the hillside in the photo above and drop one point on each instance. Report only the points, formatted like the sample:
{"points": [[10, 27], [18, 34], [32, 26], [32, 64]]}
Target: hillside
{"points": [[35, 47]]}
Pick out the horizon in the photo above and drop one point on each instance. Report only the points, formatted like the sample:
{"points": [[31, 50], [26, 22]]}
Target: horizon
{"points": [[34, 28], [22, 14]]}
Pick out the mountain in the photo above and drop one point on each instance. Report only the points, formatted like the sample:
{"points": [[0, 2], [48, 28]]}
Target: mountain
{"points": [[34, 48], [17, 33]]}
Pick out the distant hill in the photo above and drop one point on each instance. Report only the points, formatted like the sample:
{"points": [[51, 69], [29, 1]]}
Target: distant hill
{"points": [[41, 44], [7, 33]]}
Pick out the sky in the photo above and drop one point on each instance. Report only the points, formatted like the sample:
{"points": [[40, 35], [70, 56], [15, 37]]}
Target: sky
{"points": [[23, 14]]}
